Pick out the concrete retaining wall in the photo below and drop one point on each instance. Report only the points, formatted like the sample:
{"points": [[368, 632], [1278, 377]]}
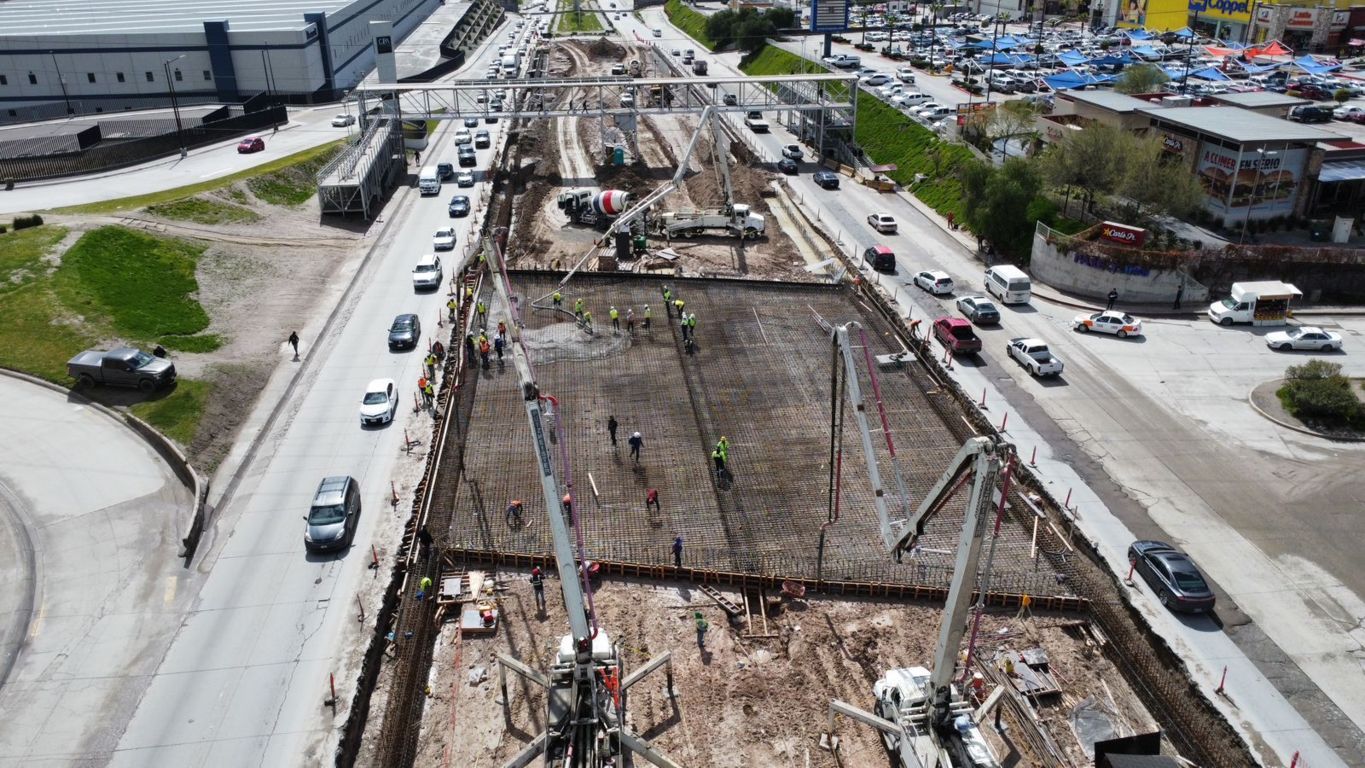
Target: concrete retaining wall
{"points": [[1093, 276]]}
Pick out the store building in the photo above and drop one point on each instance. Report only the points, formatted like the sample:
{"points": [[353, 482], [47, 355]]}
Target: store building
{"points": [[1221, 19], [1304, 27], [1154, 15]]}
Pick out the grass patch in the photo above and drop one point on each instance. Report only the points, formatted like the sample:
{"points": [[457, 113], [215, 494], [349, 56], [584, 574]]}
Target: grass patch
{"points": [[690, 22], [177, 413], [292, 185], [204, 211], [21, 255], [583, 21], [204, 342], [887, 135], [144, 284], [1068, 226], [170, 195]]}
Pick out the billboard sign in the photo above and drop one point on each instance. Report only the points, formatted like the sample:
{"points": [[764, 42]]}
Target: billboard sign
{"points": [[1265, 183], [1236, 11], [1123, 234], [829, 15]]}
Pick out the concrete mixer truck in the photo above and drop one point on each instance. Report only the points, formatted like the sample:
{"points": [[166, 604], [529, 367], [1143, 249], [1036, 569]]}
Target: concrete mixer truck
{"points": [[589, 206]]}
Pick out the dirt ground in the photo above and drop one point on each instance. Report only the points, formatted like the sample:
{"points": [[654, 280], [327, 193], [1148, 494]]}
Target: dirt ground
{"points": [[257, 282], [740, 702], [571, 152]]}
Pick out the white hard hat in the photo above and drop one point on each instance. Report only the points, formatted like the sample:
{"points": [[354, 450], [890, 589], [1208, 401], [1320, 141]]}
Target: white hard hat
{"points": [[637, 434]]}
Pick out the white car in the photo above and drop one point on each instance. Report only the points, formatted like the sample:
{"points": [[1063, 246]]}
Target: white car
{"points": [[889, 90], [426, 276], [1117, 323], [882, 222], [880, 78], [1307, 337], [927, 106], [464, 179], [1345, 112], [910, 99], [1034, 355], [443, 240], [380, 402], [341, 121], [792, 151], [463, 137], [905, 75], [937, 283]]}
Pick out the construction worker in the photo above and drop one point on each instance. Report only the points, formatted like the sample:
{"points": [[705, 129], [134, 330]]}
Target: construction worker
{"points": [[647, 316], [468, 294], [723, 444], [678, 304], [497, 347], [558, 299], [482, 309], [469, 348], [429, 392], [513, 515], [630, 321], [668, 300], [587, 319], [677, 551], [702, 626], [439, 350], [682, 323], [483, 351], [502, 330], [611, 429], [430, 362], [636, 443], [615, 318], [538, 586], [719, 459], [567, 502], [451, 306], [423, 587], [578, 308], [652, 499], [692, 326]]}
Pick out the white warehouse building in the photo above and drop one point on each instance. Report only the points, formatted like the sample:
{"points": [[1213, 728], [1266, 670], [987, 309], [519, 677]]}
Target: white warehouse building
{"points": [[111, 55]]}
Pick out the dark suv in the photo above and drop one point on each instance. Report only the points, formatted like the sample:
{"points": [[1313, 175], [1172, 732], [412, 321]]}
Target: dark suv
{"points": [[1310, 114], [331, 520]]}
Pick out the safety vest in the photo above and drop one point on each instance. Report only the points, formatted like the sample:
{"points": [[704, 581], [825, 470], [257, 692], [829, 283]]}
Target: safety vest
{"points": [[691, 321], [716, 454], [614, 313], [587, 318], [646, 313], [451, 305], [578, 305], [558, 298], [679, 304], [668, 295], [484, 347], [483, 310]]}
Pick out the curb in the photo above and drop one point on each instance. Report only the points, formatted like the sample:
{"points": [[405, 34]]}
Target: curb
{"points": [[164, 446], [1295, 427]]}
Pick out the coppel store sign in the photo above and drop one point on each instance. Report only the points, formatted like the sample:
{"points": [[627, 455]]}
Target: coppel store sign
{"points": [[1238, 11]]}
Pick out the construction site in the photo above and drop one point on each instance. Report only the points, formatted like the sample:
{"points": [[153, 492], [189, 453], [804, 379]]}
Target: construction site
{"points": [[834, 517]]}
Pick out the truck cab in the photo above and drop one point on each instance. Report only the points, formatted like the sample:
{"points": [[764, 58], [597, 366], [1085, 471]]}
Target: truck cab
{"points": [[754, 121], [122, 367]]}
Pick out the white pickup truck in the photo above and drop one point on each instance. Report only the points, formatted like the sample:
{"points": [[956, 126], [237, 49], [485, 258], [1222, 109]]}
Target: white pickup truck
{"points": [[754, 121], [1034, 355]]}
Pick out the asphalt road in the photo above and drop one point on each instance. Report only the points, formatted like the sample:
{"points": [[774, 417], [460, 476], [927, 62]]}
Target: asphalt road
{"points": [[1164, 421], [244, 679], [94, 587]]}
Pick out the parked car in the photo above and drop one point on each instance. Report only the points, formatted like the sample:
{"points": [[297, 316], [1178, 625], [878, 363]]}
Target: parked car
{"points": [[1348, 112], [1171, 574], [1034, 355], [444, 239], [882, 222], [957, 334], [826, 179], [1117, 323], [787, 166], [341, 121], [404, 332], [1307, 113], [905, 75], [979, 310], [459, 206], [331, 519], [426, 276], [1306, 337], [121, 367], [250, 144], [729, 100], [380, 402], [876, 79], [792, 150], [464, 179], [937, 283]]}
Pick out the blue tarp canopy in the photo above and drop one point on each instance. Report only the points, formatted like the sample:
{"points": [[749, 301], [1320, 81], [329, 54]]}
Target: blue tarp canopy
{"points": [[1146, 51], [1210, 73], [1255, 69], [1070, 80], [1008, 59], [1184, 33], [1122, 58], [1139, 34], [1313, 67], [1073, 59]]}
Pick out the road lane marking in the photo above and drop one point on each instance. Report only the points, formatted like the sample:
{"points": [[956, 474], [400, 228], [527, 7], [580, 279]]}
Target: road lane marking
{"points": [[215, 173]]}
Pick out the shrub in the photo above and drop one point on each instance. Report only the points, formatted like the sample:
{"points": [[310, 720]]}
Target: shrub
{"points": [[1318, 391], [24, 222], [3, 229]]}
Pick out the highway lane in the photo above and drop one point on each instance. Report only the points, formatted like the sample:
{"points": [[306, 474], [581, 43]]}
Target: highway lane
{"points": [[1214, 477], [245, 677]]}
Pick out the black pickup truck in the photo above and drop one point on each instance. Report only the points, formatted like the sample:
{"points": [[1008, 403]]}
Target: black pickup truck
{"points": [[122, 367]]}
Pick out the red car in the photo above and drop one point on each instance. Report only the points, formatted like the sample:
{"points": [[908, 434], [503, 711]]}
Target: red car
{"points": [[957, 334], [250, 144]]}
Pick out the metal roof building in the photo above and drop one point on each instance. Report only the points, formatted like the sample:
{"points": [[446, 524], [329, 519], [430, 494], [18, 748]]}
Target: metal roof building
{"points": [[110, 55]]}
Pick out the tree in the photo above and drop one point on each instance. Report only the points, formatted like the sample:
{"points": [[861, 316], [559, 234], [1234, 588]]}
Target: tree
{"points": [[1152, 179], [1341, 96], [1088, 159], [1141, 78], [997, 202], [747, 29], [1012, 118]]}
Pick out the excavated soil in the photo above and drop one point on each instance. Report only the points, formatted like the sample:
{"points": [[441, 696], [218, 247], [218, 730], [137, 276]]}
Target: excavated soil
{"points": [[740, 701]]}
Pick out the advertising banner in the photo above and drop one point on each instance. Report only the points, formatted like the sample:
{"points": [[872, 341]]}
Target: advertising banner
{"points": [[1236, 11], [828, 15], [1267, 184], [1123, 234]]}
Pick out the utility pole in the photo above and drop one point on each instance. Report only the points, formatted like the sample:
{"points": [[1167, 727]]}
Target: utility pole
{"points": [[61, 79], [175, 105], [1189, 52]]}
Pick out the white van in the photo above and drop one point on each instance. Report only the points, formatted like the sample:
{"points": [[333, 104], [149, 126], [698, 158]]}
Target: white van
{"points": [[429, 181], [1009, 284]]}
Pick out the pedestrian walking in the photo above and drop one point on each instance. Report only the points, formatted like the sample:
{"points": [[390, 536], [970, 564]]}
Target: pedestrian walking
{"points": [[611, 429], [483, 352], [451, 307], [1179, 294], [538, 586], [417, 158], [652, 499], [502, 330], [513, 514], [630, 321], [647, 316], [952, 220], [578, 308], [294, 342], [1113, 297], [558, 299], [677, 551], [423, 587], [636, 443], [702, 626], [497, 347], [719, 459]]}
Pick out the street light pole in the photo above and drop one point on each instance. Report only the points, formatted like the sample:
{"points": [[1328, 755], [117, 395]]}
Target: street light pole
{"points": [[61, 79], [175, 105]]}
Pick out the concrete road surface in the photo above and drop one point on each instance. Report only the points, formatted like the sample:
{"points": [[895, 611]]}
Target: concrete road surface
{"points": [[93, 585]]}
